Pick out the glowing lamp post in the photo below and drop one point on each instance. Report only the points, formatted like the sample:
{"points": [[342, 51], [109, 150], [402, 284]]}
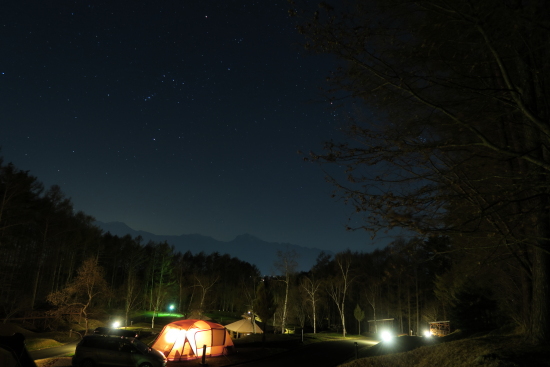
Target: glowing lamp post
{"points": [[116, 325], [171, 308]]}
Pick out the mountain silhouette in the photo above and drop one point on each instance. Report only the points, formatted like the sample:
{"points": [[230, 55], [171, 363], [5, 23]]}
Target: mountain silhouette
{"points": [[245, 247]]}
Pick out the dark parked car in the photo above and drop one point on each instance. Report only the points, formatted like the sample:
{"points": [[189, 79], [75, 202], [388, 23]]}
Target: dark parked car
{"points": [[13, 352], [117, 332], [101, 350]]}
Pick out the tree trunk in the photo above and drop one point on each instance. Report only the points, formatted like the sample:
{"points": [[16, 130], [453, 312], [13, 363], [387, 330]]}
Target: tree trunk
{"points": [[417, 303], [283, 321], [314, 318], [409, 309], [35, 286], [539, 330], [343, 316], [399, 304]]}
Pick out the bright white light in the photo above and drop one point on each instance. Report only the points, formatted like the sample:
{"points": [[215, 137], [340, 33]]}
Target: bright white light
{"points": [[427, 333], [171, 336], [116, 324], [386, 336]]}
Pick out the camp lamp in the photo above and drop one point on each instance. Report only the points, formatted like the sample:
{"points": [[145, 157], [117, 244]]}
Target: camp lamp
{"points": [[386, 336]]}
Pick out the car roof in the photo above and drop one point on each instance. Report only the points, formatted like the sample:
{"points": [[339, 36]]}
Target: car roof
{"points": [[115, 332], [97, 336]]}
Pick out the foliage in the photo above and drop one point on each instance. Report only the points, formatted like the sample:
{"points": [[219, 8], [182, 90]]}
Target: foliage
{"points": [[264, 304], [45, 243], [408, 274], [359, 315], [450, 130], [474, 310]]}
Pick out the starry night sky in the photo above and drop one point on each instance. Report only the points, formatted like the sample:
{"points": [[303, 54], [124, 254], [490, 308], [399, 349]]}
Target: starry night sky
{"points": [[174, 117]]}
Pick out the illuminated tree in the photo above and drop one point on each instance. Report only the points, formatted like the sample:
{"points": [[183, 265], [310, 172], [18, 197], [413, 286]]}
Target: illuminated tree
{"points": [[311, 286], [286, 263], [338, 285], [88, 286]]}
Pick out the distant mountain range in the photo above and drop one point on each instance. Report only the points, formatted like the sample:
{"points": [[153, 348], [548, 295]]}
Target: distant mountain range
{"points": [[244, 247]]}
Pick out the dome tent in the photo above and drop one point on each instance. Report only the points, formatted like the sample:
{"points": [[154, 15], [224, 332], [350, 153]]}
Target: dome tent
{"points": [[184, 340]]}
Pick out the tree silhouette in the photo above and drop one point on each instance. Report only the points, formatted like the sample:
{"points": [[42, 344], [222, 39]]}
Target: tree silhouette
{"points": [[359, 315], [264, 305], [453, 137]]}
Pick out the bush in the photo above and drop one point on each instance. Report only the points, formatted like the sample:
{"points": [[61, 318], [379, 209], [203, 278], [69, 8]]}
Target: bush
{"points": [[474, 310]]}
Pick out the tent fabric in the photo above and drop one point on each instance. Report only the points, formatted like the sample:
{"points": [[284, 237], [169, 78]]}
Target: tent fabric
{"points": [[244, 326], [185, 339]]}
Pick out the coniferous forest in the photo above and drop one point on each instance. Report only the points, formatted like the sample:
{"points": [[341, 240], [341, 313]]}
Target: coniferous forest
{"points": [[56, 262]]}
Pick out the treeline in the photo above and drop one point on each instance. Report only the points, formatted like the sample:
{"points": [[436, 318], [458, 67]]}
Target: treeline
{"points": [[53, 257], [413, 282], [44, 246]]}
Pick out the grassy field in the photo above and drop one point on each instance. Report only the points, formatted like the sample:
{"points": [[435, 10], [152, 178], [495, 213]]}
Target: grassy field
{"points": [[457, 350], [490, 350]]}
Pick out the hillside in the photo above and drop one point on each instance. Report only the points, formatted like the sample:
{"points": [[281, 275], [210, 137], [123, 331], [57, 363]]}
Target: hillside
{"points": [[491, 350]]}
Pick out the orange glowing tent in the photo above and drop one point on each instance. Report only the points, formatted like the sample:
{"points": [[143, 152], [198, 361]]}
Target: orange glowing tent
{"points": [[185, 339]]}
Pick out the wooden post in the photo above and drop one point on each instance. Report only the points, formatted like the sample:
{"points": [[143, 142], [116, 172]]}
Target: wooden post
{"points": [[203, 363]]}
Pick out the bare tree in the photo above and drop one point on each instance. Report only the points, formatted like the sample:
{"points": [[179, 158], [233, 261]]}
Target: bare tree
{"points": [[337, 286], [456, 136], [161, 276], [131, 290], [286, 263], [88, 285], [371, 295], [311, 287], [205, 282]]}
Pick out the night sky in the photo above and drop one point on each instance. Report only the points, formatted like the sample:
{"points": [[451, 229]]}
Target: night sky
{"points": [[174, 117]]}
